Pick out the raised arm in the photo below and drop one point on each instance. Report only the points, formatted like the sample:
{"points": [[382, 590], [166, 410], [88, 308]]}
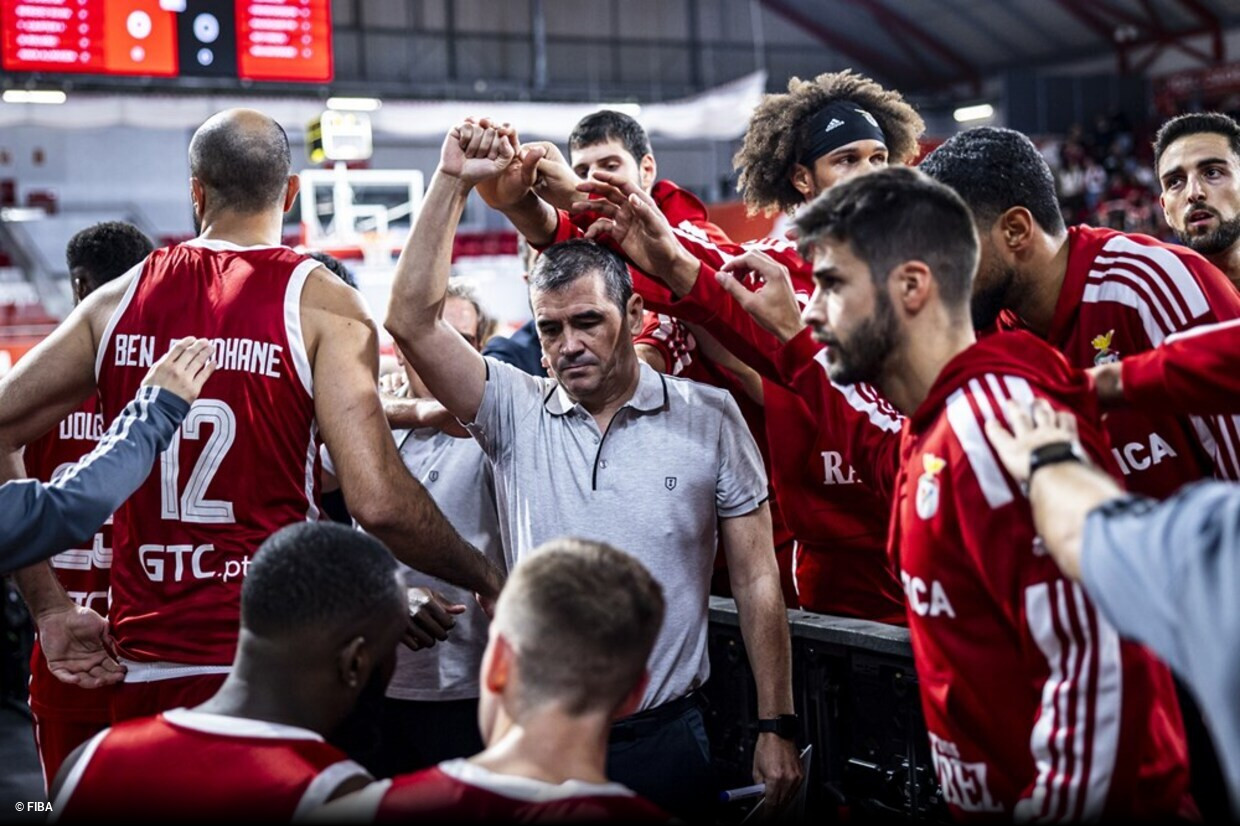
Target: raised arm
{"points": [[383, 497], [513, 191], [453, 371]]}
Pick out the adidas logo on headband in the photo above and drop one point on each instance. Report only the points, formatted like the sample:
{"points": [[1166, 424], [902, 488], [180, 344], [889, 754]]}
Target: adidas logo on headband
{"points": [[834, 124]]}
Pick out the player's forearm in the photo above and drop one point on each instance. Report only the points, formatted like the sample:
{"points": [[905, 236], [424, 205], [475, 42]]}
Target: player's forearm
{"points": [[408, 413], [535, 219], [754, 577], [420, 283], [41, 590], [419, 535], [44, 519], [764, 626], [1061, 496]]}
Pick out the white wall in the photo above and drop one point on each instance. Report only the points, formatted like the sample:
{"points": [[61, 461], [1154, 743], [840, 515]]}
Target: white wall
{"points": [[86, 168]]}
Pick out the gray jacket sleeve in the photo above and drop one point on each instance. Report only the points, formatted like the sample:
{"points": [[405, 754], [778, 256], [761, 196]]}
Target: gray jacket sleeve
{"points": [[39, 520], [1165, 573]]}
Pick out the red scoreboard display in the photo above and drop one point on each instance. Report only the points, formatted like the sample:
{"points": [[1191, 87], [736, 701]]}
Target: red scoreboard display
{"points": [[262, 40]]}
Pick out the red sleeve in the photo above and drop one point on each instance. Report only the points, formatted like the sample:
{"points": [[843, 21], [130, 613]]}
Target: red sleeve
{"points": [[864, 423], [1217, 434], [564, 230], [1197, 372], [671, 339], [711, 307]]}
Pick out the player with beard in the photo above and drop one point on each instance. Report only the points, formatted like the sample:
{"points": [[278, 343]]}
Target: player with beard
{"points": [[1096, 295], [1198, 161], [1089, 725]]}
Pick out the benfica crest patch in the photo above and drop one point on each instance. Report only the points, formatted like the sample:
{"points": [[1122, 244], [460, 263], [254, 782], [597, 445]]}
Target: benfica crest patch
{"points": [[928, 485], [1102, 346]]}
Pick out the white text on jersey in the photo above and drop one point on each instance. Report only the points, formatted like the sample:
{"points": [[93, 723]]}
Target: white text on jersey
{"points": [[240, 354]]}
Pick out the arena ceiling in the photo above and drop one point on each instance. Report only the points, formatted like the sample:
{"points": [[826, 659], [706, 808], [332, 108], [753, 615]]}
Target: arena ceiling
{"points": [[925, 45]]}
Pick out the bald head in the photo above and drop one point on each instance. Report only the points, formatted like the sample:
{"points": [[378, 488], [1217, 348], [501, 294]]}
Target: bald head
{"points": [[242, 159]]}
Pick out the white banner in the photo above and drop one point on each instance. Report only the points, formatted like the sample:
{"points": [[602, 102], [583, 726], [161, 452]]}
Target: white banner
{"points": [[716, 114]]}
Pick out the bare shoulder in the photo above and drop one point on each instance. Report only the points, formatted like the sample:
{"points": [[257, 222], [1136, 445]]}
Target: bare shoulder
{"points": [[97, 309], [330, 309]]}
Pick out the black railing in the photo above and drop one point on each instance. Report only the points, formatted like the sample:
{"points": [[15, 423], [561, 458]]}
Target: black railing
{"points": [[856, 694]]}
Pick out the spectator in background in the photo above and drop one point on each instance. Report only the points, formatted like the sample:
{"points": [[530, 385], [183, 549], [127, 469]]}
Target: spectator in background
{"points": [[1198, 162], [567, 655], [1164, 574], [66, 715], [321, 613], [430, 713]]}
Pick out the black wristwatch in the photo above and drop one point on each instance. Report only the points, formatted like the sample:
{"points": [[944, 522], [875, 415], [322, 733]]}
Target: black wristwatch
{"points": [[1053, 454], [785, 726]]}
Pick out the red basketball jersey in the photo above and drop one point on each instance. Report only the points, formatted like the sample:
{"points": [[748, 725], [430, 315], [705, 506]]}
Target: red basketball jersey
{"points": [[245, 462], [84, 572], [460, 792], [187, 765]]}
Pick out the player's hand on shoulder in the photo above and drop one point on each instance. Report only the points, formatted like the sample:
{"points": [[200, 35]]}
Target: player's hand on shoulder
{"points": [[184, 369], [1030, 428], [78, 648]]}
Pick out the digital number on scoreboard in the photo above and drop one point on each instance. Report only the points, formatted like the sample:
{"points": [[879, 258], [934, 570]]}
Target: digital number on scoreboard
{"points": [[262, 40]]}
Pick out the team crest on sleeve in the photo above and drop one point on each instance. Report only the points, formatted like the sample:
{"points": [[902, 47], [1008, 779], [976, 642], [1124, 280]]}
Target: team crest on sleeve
{"points": [[928, 485], [1104, 354], [669, 482]]}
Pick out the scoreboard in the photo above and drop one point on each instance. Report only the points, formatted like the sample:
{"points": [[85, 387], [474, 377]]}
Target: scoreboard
{"points": [[260, 40]]}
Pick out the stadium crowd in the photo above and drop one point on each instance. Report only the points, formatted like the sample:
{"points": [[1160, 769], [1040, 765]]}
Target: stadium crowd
{"points": [[897, 416]]}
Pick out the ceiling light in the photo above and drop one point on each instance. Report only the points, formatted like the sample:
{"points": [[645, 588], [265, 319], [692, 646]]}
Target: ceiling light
{"points": [[34, 96], [354, 104], [981, 111]]}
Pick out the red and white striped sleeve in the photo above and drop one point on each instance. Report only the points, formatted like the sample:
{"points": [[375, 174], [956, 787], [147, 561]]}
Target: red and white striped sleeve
{"points": [[867, 427], [1073, 653], [1172, 291], [1195, 372]]}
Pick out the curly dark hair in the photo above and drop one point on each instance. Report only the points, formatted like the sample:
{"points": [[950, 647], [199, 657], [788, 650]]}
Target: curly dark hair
{"points": [[776, 137], [107, 250]]}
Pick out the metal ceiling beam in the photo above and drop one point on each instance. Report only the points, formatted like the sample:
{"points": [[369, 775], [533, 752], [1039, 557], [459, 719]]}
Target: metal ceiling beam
{"points": [[1151, 32], [1210, 20], [888, 17], [877, 62]]}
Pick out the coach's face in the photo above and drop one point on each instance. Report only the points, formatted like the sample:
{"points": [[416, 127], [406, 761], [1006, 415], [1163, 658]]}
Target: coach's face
{"points": [[1200, 177], [586, 340], [850, 314]]}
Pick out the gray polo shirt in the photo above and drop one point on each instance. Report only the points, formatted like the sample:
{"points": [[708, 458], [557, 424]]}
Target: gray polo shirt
{"points": [[1167, 575], [675, 458], [458, 477]]}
